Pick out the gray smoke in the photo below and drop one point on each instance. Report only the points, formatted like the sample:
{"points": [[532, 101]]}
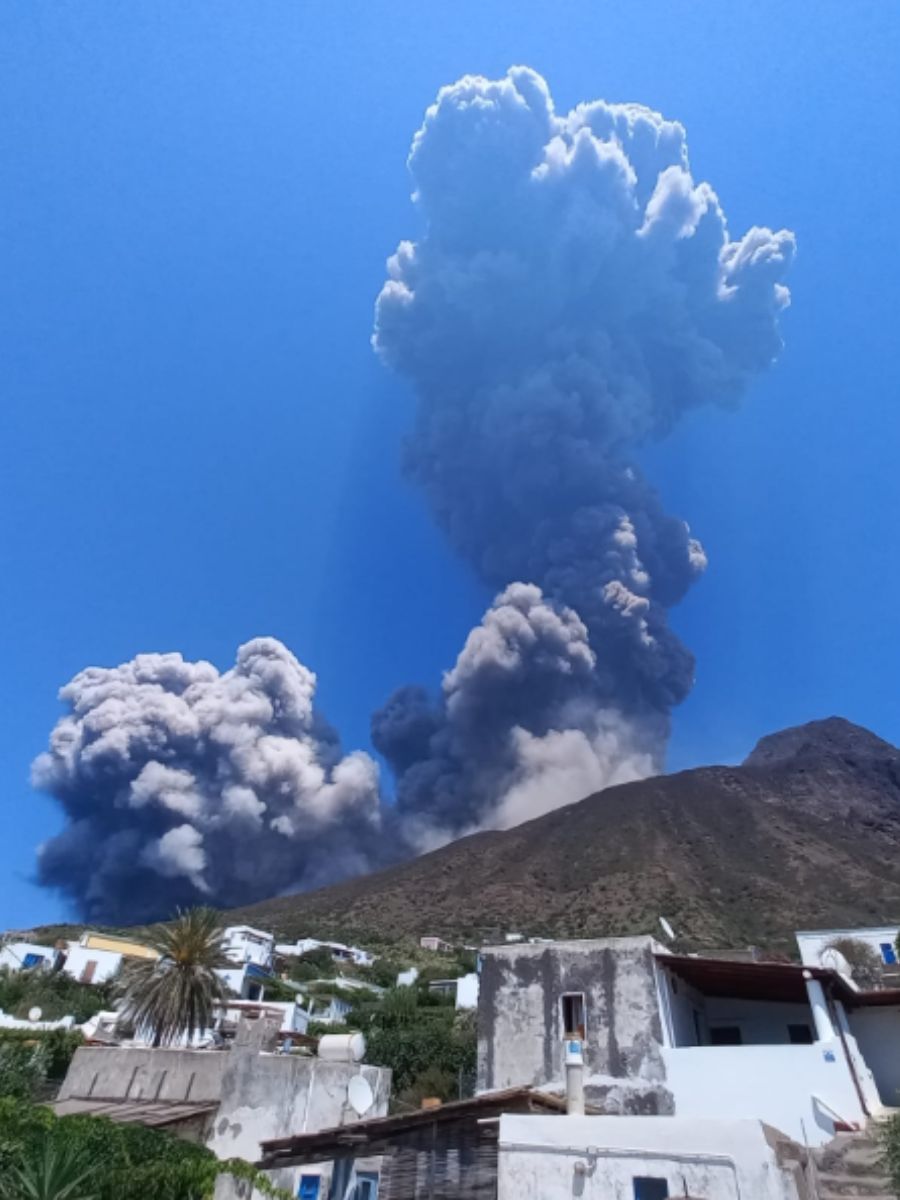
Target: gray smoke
{"points": [[573, 293], [180, 784]]}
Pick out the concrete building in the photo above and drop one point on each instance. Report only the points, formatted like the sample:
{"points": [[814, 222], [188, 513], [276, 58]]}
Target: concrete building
{"points": [[436, 944], [425, 1154], [231, 1100], [244, 944], [671, 1035]]}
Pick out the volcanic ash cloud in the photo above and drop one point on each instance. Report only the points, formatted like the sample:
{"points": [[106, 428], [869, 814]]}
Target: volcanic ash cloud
{"points": [[180, 784], [573, 293]]}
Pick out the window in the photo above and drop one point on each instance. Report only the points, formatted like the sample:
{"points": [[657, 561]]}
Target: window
{"points": [[32, 960], [888, 954], [309, 1187], [800, 1035], [725, 1035], [366, 1186], [649, 1187], [573, 1014]]}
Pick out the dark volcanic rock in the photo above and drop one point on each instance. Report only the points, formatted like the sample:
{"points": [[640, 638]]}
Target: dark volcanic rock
{"points": [[833, 738], [805, 833]]}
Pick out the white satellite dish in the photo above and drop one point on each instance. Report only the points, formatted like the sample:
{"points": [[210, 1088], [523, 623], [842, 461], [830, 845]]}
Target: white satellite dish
{"points": [[360, 1095], [35, 1014], [667, 929]]}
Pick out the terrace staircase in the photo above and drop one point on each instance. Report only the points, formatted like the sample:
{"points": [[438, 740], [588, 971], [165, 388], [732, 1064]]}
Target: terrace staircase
{"points": [[850, 1167]]}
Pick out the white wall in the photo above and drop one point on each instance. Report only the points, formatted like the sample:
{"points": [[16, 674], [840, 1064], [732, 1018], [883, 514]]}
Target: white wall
{"points": [[877, 1033], [467, 991], [811, 942], [9, 1022], [13, 955], [775, 1084], [243, 944], [78, 958], [719, 1160]]}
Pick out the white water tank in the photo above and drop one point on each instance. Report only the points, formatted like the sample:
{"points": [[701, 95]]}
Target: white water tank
{"points": [[342, 1047]]}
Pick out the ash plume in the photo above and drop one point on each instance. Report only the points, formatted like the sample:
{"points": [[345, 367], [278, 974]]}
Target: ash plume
{"points": [[183, 784], [573, 293]]}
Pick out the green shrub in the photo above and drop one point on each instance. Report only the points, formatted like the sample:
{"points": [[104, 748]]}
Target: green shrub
{"points": [[53, 992], [889, 1136], [132, 1163], [58, 1046]]}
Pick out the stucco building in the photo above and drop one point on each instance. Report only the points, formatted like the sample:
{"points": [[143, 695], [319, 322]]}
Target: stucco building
{"points": [[668, 1035]]}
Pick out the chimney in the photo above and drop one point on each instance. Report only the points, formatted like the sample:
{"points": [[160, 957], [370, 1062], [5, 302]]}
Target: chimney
{"points": [[574, 1077]]}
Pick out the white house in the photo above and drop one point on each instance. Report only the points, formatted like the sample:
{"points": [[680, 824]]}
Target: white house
{"points": [[97, 957], [463, 989], [248, 981], [244, 944], [339, 952], [25, 956], [799, 1048], [813, 944]]}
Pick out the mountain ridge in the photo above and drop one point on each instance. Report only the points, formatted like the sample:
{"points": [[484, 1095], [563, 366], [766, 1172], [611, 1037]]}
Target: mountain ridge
{"points": [[804, 832]]}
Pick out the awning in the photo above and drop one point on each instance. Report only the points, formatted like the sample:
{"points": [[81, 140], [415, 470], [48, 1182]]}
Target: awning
{"points": [[784, 982], [379, 1134]]}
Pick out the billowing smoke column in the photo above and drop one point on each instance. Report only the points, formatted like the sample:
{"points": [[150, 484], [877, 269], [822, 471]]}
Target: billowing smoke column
{"points": [[572, 294], [183, 784]]}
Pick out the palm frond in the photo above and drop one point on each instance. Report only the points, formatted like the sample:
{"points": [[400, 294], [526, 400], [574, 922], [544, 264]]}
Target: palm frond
{"points": [[175, 996]]}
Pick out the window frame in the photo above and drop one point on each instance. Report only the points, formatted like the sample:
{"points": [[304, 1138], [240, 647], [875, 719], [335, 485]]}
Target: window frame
{"points": [[579, 1031]]}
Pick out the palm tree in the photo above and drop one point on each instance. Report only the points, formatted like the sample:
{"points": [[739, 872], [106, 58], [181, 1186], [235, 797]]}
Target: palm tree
{"points": [[54, 1172], [174, 996]]}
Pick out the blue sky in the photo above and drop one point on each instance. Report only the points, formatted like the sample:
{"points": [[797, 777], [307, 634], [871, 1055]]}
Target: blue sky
{"points": [[198, 446]]}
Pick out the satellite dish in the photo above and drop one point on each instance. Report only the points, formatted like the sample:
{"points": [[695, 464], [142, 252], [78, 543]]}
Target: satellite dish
{"points": [[35, 1014], [360, 1095], [667, 929]]}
